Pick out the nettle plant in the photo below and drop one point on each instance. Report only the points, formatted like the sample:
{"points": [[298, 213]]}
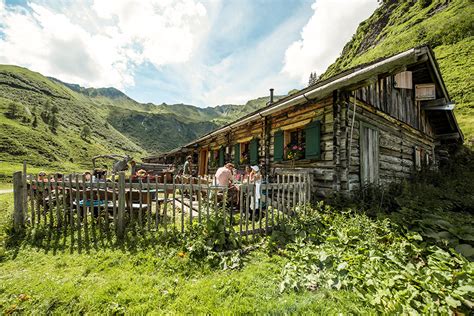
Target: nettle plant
{"points": [[390, 270]]}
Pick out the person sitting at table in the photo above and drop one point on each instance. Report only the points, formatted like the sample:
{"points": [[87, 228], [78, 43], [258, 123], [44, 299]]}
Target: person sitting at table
{"points": [[247, 172], [142, 173], [225, 177]]}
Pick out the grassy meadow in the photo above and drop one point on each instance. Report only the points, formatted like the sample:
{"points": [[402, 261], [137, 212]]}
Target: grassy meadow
{"points": [[402, 249]]}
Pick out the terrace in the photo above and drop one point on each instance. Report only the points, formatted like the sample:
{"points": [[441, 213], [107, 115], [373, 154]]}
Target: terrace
{"points": [[155, 202]]}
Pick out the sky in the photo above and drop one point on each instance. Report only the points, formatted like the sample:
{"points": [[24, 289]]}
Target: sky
{"points": [[200, 52]]}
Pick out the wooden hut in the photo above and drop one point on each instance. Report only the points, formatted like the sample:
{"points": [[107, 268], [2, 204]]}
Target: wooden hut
{"points": [[375, 123]]}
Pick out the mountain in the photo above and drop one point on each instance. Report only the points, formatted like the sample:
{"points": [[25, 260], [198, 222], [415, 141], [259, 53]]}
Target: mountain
{"points": [[397, 25], [43, 121]]}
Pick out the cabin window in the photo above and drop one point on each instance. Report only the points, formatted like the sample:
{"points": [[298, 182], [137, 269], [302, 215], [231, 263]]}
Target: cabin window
{"points": [[369, 154], [295, 144], [244, 153], [253, 151], [214, 158], [300, 143]]}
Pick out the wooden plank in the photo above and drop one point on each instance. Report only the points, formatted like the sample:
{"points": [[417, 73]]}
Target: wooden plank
{"points": [[25, 193], [33, 184], [56, 196], [121, 206], [18, 195]]}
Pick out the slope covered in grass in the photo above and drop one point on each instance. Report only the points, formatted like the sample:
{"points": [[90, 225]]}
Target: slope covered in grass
{"points": [[33, 135], [446, 25], [30, 131]]}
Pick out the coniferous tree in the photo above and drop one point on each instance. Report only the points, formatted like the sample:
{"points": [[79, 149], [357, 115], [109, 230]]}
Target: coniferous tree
{"points": [[54, 109], [85, 132], [54, 123], [313, 78], [13, 110], [35, 121]]}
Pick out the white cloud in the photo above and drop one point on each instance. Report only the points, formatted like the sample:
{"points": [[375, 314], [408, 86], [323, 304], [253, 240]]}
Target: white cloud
{"points": [[100, 45], [322, 39]]}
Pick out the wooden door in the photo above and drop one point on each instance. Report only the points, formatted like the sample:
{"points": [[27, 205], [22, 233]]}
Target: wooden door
{"points": [[203, 162], [369, 155]]}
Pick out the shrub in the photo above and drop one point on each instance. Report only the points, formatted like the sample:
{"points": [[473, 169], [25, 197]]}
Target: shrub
{"points": [[393, 271]]}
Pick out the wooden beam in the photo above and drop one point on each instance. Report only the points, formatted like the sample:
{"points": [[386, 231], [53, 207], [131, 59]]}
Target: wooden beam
{"points": [[446, 107], [448, 136], [436, 102]]}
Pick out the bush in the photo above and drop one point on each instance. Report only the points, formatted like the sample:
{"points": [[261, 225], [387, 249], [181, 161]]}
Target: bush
{"points": [[393, 271]]}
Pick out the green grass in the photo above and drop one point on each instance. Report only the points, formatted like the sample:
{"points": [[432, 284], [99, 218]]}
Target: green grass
{"points": [[8, 168], [296, 270], [113, 281], [5, 186], [158, 280]]}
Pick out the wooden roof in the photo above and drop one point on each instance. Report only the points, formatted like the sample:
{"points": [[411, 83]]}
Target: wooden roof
{"points": [[351, 79]]}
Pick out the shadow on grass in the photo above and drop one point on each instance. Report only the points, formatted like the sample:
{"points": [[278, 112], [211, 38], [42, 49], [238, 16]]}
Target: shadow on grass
{"points": [[85, 236]]}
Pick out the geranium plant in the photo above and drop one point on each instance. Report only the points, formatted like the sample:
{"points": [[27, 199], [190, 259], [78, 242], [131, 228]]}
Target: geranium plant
{"points": [[294, 151]]}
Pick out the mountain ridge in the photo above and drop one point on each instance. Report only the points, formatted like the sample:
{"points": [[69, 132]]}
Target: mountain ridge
{"points": [[122, 125]]}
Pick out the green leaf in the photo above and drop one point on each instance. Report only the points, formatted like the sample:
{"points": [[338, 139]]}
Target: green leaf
{"points": [[452, 302], [342, 266]]}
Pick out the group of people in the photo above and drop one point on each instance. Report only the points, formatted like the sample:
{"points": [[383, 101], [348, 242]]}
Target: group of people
{"points": [[228, 176]]}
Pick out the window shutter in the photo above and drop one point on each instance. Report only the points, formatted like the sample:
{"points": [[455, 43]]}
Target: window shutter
{"points": [[221, 156], [237, 154], [253, 151], [278, 146], [313, 140]]}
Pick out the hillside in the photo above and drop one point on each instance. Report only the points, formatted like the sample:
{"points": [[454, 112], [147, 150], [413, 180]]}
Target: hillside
{"points": [[446, 25], [41, 121]]}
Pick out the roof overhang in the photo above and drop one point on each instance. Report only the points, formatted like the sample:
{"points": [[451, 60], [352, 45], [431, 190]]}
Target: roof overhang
{"points": [[347, 80]]}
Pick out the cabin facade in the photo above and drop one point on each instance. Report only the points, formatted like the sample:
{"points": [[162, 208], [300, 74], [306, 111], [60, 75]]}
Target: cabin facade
{"points": [[375, 123]]}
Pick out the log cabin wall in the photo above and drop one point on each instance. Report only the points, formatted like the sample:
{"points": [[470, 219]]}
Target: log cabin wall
{"points": [[397, 102], [399, 141], [321, 170], [263, 129]]}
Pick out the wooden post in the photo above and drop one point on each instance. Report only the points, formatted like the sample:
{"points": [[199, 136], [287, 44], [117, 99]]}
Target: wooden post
{"points": [[18, 194], [25, 192], [121, 206]]}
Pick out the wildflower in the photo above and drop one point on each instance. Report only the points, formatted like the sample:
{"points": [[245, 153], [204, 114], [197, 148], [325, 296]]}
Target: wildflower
{"points": [[181, 254]]}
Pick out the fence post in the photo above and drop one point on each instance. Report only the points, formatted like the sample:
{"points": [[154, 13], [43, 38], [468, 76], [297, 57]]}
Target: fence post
{"points": [[18, 216], [25, 192], [121, 206]]}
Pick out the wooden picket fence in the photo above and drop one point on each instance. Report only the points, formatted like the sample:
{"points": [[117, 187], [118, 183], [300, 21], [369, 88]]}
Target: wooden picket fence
{"points": [[153, 205]]}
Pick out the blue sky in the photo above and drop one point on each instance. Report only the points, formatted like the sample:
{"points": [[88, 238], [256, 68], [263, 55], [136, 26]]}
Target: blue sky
{"points": [[197, 52]]}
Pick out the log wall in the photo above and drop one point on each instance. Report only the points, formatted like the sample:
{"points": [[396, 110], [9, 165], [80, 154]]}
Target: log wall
{"points": [[397, 143]]}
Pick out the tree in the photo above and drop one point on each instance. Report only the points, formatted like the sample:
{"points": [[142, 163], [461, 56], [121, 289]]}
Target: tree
{"points": [[85, 132], [54, 109], [45, 116], [13, 110], [54, 123], [313, 78], [35, 121], [47, 105]]}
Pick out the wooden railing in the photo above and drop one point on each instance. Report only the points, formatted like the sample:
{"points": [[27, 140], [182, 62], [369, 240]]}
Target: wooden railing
{"points": [[75, 203]]}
